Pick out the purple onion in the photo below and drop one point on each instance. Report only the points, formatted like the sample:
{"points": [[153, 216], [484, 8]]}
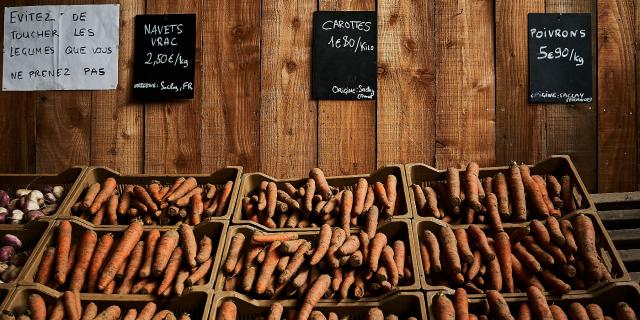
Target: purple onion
{"points": [[33, 215], [4, 198], [11, 240], [6, 253]]}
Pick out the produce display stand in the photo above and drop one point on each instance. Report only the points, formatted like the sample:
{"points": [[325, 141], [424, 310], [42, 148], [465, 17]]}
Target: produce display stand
{"points": [[403, 304], [250, 181], [620, 214], [197, 303], [69, 179], [606, 250], [99, 174], [5, 293], [418, 173]]}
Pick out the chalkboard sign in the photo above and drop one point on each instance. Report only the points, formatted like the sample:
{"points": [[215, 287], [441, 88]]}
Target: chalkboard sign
{"points": [[344, 55], [164, 56], [560, 58]]}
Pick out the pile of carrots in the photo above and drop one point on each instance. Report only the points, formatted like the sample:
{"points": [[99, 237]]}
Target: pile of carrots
{"points": [[185, 201], [316, 203], [465, 198], [162, 264], [495, 306], [555, 256], [69, 307], [229, 311], [336, 265]]}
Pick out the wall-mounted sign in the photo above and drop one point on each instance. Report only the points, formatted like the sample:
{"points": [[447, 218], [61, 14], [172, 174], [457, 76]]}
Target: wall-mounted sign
{"points": [[60, 47], [345, 50], [560, 58], [165, 55]]}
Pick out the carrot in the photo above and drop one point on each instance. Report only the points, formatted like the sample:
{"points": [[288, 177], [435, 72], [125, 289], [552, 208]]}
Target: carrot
{"points": [[554, 190], [199, 272], [553, 228], [503, 253], [70, 306], [461, 304], [471, 186], [431, 205], [102, 249], [375, 250], [585, 237], [517, 191], [321, 182], [349, 246], [453, 186], [307, 199], [462, 243], [444, 308], [271, 195], [135, 260], [337, 239], [390, 185], [143, 196], [624, 311], [205, 248], [165, 246], [130, 238], [501, 191], [399, 255], [314, 293], [540, 233], [494, 275], [526, 258], [498, 306], [537, 252], [108, 187], [268, 267], [197, 208], [110, 313], [594, 311], [86, 247], [524, 312], [62, 251], [369, 199], [450, 250], [112, 206], [539, 304], [181, 189], [533, 192], [554, 283], [132, 314], [150, 246], [346, 206], [474, 266], [268, 238], [381, 194], [324, 241], [542, 187], [57, 312], [567, 232], [125, 200], [189, 244], [557, 313], [481, 242], [294, 263], [89, 196], [578, 312], [420, 199], [347, 282], [567, 194], [90, 311], [164, 314], [275, 311], [171, 270], [46, 266], [389, 262], [359, 196], [433, 249], [37, 307]]}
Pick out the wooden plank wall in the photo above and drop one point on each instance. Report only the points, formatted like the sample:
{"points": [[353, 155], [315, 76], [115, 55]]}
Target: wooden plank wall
{"points": [[452, 81]]}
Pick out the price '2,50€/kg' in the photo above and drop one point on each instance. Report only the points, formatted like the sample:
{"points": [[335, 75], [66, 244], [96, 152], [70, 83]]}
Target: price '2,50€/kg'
{"points": [[560, 53], [174, 59]]}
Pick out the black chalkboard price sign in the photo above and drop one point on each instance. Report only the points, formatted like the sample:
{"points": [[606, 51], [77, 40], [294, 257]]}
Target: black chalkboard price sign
{"points": [[165, 48], [344, 55], [560, 58]]}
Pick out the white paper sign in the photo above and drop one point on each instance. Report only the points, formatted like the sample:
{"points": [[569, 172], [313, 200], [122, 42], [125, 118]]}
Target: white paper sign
{"points": [[60, 47]]}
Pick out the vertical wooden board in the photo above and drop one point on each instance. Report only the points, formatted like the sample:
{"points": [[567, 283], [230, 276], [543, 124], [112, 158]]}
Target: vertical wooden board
{"points": [[117, 133], [17, 122], [617, 141], [347, 129], [406, 82], [520, 126], [288, 116], [173, 129], [231, 76], [63, 124], [572, 129], [465, 83], [637, 28]]}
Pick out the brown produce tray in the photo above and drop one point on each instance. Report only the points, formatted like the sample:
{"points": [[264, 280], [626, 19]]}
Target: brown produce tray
{"points": [[32, 237], [99, 174], [418, 173], [400, 229], [250, 181], [69, 179], [5, 294], [196, 303], [403, 304], [606, 297], [215, 229], [607, 251]]}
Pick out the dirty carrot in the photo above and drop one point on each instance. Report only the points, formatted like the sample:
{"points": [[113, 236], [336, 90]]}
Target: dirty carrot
{"points": [[481, 242], [444, 308], [375, 250], [314, 293], [85, 252], [453, 186], [189, 244], [471, 186], [321, 183], [450, 249], [517, 193], [171, 270], [235, 248], [129, 239], [166, 244], [182, 189], [462, 243], [62, 251], [108, 187], [199, 272], [46, 266], [539, 303], [503, 253], [268, 238], [150, 246], [433, 248], [205, 248]]}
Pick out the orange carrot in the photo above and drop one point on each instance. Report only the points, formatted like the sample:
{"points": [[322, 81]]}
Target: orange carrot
{"points": [[462, 243], [369, 199], [471, 186], [390, 185], [189, 244], [578, 312], [166, 244], [182, 189], [539, 304], [324, 241], [542, 186], [143, 196], [227, 311], [461, 304], [433, 249], [205, 248], [135, 260], [89, 196], [526, 258], [70, 306], [375, 250], [453, 186], [150, 246], [235, 248], [337, 239], [431, 206], [147, 311], [498, 306], [112, 206], [359, 196], [450, 250], [110, 313], [46, 266], [108, 187], [381, 194], [585, 238], [371, 222], [294, 263], [389, 262], [420, 199], [595, 311], [533, 192], [540, 254], [129, 239], [171, 270], [554, 283], [481, 242], [501, 191], [62, 251], [444, 309], [86, 247], [321, 183], [90, 311], [268, 238], [567, 194], [553, 226], [271, 196], [517, 193], [268, 267], [399, 255], [199, 272], [310, 190], [540, 233], [315, 292], [125, 200], [624, 311], [557, 313], [102, 249], [567, 232], [37, 307], [503, 253], [346, 206]]}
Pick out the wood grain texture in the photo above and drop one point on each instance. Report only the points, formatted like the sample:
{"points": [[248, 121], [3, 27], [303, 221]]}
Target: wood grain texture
{"points": [[617, 143], [572, 128], [173, 129], [63, 123], [231, 72], [288, 116], [406, 82], [347, 129], [637, 28], [520, 126], [17, 123], [465, 83], [117, 131]]}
